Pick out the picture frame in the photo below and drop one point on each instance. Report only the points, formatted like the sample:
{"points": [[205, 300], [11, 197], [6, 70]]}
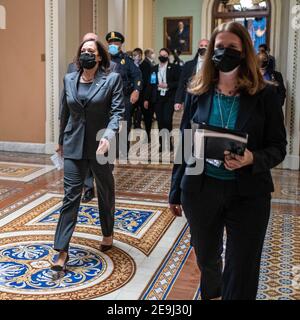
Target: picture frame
{"points": [[178, 34]]}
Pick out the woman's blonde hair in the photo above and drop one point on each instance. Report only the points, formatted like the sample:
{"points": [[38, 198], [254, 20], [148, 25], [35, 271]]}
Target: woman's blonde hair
{"points": [[250, 79]]}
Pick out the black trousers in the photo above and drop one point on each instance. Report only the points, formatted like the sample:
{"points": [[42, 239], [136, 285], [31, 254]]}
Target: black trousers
{"points": [[164, 109], [215, 207], [147, 117], [74, 175], [140, 113]]}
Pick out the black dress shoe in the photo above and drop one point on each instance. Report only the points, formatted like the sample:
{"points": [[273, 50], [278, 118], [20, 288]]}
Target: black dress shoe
{"points": [[60, 268], [105, 247], [88, 196]]}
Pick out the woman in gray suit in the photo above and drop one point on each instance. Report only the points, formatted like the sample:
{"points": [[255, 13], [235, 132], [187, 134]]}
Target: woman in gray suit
{"points": [[92, 101]]}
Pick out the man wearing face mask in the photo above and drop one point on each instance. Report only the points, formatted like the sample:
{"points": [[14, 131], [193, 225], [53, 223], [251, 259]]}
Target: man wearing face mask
{"points": [[189, 70], [146, 67], [137, 56], [263, 48], [161, 91], [131, 76], [272, 76]]}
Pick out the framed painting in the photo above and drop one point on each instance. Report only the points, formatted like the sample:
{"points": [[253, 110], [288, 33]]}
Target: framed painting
{"points": [[178, 34]]}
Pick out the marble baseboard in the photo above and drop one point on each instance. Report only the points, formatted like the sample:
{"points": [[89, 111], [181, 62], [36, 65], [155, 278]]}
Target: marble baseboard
{"points": [[291, 162], [22, 147]]}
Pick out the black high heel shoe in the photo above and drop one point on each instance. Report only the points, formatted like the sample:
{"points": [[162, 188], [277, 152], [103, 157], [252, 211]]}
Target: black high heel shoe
{"points": [[106, 247], [60, 268]]}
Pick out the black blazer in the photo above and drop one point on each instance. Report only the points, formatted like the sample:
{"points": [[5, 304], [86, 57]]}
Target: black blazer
{"points": [[280, 87], [80, 123], [262, 118], [173, 74], [188, 70], [146, 67]]}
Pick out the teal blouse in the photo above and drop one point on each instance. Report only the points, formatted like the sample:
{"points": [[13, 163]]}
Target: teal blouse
{"points": [[226, 118]]}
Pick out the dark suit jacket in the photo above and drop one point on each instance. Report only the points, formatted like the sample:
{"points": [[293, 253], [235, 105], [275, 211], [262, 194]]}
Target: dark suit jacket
{"points": [[262, 118], [80, 123], [188, 70], [281, 90], [146, 67], [173, 74]]}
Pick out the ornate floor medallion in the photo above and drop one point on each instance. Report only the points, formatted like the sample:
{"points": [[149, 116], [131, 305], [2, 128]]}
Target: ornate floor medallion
{"points": [[25, 270]]}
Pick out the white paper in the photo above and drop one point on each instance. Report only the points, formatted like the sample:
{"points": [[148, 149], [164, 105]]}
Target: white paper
{"points": [[58, 161], [199, 144]]}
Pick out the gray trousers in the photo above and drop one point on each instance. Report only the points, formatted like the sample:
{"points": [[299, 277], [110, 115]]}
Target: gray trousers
{"points": [[74, 176], [89, 181]]}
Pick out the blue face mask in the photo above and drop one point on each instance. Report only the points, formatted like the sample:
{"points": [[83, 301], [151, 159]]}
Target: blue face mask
{"points": [[113, 49]]}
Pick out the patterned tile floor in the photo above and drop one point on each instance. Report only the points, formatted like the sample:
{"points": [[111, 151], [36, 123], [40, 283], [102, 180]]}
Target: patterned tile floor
{"points": [[27, 214]]}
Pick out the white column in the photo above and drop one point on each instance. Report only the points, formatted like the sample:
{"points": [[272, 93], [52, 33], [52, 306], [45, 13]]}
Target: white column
{"points": [[2, 17], [293, 88], [141, 26], [55, 14], [102, 19], [72, 29], [116, 15]]}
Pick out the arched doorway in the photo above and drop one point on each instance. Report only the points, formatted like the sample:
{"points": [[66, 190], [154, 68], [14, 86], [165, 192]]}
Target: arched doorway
{"points": [[275, 22], [255, 15]]}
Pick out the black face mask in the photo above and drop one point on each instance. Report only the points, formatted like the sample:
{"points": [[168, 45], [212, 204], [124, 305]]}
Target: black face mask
{"points": [[87, 61], [163, 59], [202, 51], [227, 59], [264, 64]]}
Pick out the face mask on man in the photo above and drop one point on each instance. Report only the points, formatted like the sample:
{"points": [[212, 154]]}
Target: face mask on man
{"points": [[202, 51], [264, 64], [87, 61], [227, 59], [113, 49], [163, 59]]}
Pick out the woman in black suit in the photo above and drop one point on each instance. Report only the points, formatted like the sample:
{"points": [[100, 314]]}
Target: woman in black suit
{"points": [[161, 91], [92, 101], [234, 194]]}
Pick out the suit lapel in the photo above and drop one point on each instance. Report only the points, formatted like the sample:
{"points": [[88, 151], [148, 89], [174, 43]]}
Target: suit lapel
{"points": [[98, 83], [74, 87], [204, 105], [247, 104]]}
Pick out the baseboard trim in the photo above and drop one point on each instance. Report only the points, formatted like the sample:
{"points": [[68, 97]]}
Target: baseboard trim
{"points": [[291, 162], [22, 147]]}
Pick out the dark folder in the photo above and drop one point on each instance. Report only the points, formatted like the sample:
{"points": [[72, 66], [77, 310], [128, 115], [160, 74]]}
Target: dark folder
{"points": [[216, 140]]}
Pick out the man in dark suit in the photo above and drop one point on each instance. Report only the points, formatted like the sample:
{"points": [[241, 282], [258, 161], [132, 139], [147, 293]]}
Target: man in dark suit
{"points": [[189, 70], [179, 40], [161, 91], [146, 67], [131, 76], [263, 48]]}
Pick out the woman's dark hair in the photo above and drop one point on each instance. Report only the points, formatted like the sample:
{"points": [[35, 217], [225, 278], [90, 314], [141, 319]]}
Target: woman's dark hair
{"points": [[104, 64]]}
